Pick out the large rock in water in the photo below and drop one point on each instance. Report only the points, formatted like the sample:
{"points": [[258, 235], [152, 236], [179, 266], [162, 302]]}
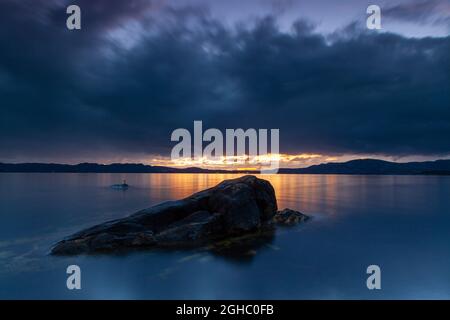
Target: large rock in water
{"points": [[231, 208]]}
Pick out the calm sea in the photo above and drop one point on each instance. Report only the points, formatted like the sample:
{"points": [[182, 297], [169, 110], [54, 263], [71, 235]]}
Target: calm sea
{"points": [[400, 223]]}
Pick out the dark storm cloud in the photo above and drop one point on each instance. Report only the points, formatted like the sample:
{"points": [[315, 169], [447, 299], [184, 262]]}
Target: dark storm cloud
{"points": [[135, 73]]}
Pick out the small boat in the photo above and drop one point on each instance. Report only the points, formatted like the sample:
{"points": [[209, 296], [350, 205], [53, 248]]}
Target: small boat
{"points": [[122, 186]]}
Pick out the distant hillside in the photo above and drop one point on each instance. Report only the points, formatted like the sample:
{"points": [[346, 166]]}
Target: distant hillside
{"points": [[363, 166], [373, 166], [99, 168]]}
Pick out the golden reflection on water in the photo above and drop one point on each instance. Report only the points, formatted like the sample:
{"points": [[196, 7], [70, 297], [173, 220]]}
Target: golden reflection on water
{"points": [[310, 193]]}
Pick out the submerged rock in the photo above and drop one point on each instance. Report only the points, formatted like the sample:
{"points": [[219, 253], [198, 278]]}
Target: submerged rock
{"points": [[234, 207], [289, 217], [121, 186]]}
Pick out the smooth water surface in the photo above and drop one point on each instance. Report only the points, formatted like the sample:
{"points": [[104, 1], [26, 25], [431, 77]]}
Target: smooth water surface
{"points": [[401, 223]]}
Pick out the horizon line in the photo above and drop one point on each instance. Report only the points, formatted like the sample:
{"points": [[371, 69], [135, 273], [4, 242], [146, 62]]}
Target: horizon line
{"points": [[215, 169]]}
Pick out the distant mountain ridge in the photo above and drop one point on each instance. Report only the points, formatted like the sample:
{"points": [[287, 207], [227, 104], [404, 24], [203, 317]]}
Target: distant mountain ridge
{"points": [[361, 166], [375, 166], [99, 168]]}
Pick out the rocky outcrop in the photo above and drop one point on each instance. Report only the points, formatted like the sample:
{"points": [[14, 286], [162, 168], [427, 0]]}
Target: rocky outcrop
{"points": [[289, 217], [232, 208]]}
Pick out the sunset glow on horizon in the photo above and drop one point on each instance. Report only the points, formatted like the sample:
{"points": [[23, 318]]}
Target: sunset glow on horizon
{"points": [[244, 163]]}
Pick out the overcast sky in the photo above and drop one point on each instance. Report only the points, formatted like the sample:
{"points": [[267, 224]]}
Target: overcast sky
{"points": [[137, 70]]}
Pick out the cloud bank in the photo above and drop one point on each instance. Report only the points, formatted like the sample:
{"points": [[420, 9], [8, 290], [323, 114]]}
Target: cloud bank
{"points": [[136, 72]]}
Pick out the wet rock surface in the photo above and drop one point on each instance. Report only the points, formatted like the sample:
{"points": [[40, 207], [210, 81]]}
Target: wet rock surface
{"points": [[289, 217], [238, 207]]}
